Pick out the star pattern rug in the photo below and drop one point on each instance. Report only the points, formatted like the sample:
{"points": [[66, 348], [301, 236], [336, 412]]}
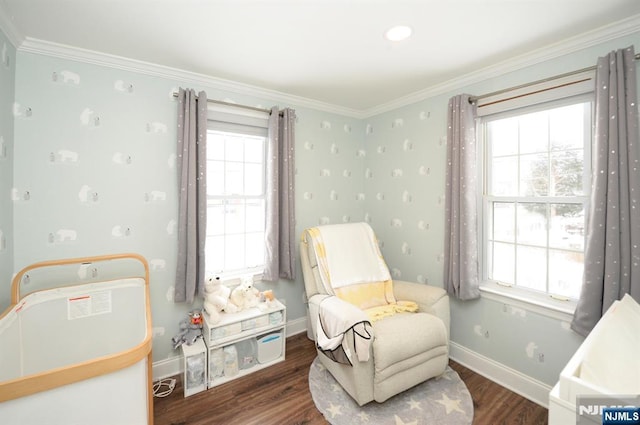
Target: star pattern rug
{"points": [[444, 400]]}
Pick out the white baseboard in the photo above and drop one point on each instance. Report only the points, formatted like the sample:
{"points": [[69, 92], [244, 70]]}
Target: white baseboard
{"points": [[166, 368], [511, 379], [297, 326], [173, 366]]}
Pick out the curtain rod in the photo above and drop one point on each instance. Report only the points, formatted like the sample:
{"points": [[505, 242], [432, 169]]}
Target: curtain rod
{"points": [[544, 80], [237, 105]]}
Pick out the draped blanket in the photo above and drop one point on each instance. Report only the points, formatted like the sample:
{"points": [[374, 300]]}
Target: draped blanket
{"points": [[351, 267], [335, 319], [347, 254]]}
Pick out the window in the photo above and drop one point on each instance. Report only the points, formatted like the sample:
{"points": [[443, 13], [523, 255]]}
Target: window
{"points": [[235, 199], [536, 186]]}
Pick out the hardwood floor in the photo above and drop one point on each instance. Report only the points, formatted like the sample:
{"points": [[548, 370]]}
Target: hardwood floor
{"points": [[280, 395], [494, 404]]}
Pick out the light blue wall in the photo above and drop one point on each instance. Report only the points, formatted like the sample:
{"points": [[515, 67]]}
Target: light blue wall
{"points": [[95, 172], [7, 85], [406, 155], [82, 183]]}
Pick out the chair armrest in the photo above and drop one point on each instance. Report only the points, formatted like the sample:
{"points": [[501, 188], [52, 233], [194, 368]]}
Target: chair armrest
{"points": [[314, 311], [425, 295], [430, 299]]}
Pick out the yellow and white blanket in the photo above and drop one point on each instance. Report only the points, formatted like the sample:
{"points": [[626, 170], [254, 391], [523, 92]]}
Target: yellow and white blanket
{"points": [[351, 267]]}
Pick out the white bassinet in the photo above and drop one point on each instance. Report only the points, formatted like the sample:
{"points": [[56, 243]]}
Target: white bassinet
{"points": [[606, 364], [77, 348]]}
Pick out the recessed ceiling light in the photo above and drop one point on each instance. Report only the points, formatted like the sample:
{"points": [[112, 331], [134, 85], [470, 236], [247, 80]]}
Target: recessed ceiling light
{"points": [[398, 33]]}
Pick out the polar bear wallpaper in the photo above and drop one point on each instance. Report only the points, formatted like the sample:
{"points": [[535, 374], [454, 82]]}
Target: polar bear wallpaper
{"points": [[88, 167]]}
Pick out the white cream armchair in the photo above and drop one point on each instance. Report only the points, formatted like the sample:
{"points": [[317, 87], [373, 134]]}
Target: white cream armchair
{"points": [[407, 348]]}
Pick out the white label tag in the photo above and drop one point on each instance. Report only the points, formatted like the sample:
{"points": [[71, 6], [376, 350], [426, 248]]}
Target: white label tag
{"points": [[89, 305]]}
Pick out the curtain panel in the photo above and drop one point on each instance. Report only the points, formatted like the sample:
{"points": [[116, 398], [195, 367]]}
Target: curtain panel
{"points": [[280, 220], [192, 204], [612, 251], [461, 268]]}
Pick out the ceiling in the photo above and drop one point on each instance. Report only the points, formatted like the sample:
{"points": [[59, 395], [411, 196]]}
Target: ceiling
{"points": [[331, 51]]}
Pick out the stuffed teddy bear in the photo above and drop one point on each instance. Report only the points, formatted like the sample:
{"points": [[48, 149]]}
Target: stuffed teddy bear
{"points": [[190, 329], [245, 295], [216, 299]]}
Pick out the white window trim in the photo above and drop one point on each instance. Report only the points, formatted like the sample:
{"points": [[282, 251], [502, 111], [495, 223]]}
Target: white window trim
{"points": [[539, 303], [550, 91]]}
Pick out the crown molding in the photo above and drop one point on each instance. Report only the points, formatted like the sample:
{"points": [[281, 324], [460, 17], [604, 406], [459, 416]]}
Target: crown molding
{"points": [[597, 36], [62, 51], [8, 28]]}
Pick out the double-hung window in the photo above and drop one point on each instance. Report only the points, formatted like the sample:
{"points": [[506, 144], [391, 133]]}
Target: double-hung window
{"points": [[236, 202], [536, 175]]}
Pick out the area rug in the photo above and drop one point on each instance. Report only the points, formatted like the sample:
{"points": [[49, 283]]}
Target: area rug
{"points": [[443, 400]]}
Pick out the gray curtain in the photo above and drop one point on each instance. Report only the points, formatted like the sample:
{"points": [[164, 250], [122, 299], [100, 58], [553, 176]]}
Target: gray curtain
{"points": [[612, 252], [192, 206], [461, 268], [280, 220]]}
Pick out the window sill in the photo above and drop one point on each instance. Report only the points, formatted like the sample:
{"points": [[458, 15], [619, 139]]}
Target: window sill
{"points": [[234, 279], [537, 303]]}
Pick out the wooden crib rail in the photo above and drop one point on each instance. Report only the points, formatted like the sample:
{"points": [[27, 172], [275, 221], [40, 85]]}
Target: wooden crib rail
{"points": [[17, 280]]}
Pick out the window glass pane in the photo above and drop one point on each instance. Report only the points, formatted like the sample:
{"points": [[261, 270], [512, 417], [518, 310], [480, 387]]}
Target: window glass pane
{"points": [[234, 178], [566, 173], [567, 226], [253, 149], [532, 224], [503, 262], [534, 175], [253, 174], [504, 176], [532, 268], [565, 273], [214, 254], [215, 146], [504, 225], [255, 210], [234, 148], [503, 136], [235, 204], [255, 249], [234, 216], [215, 178], [567, 126], [234, 247], [534, 132], [536, 181], [215, 217]]}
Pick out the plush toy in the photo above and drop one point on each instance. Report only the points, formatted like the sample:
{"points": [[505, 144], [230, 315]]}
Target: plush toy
{"points": [[267, 296], [245, 295], [267, 300], [190, 329], [216, 299]]}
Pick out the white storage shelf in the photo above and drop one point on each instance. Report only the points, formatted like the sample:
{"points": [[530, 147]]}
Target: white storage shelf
{"points": [[244, 342], [195, 368]]}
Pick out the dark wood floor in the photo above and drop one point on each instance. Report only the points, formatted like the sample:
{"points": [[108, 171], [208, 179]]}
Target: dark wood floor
{"points": [[280, 395]]}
